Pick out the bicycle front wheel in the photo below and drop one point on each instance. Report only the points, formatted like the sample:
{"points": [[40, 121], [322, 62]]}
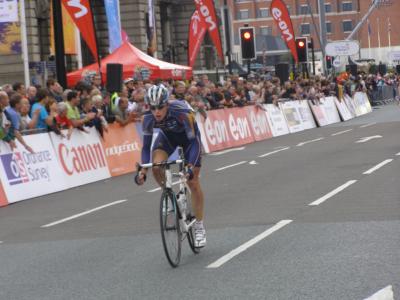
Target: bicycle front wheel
{"points": [[170, 230]]}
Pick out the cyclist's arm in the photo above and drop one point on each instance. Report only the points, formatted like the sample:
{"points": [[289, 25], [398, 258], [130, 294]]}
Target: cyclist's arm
{"points": [[147, 138], [194, 148]]}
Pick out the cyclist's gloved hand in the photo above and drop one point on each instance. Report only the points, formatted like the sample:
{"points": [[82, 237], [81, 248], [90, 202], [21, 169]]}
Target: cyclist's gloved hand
{"points": [[190, 173], [140, 178]]}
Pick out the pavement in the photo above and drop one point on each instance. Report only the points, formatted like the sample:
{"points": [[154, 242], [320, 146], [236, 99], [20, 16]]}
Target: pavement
{"points": [[316, 217]]}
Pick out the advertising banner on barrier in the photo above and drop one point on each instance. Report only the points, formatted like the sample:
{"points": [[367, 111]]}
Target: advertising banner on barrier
{"points": [[276, 120], [305, 114], [27, 175], [350, 105], [298, 115], [344, 111], [319, 113], [3, 196], [225, 128], [259, 123], [362, 107], [331, 111], [122, 147], [81, 158]]}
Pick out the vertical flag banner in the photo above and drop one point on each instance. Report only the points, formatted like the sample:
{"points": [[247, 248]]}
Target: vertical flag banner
{"points": [[9, 11], [197, 31], [389, 25], [69, 30], [151, 30], [281, 16], [10, 29], [114, 23], [81, 13], [206, 10]]}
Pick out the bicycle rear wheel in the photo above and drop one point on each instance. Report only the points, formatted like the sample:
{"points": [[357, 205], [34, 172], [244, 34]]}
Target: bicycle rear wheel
{"points": [[170, 230]]}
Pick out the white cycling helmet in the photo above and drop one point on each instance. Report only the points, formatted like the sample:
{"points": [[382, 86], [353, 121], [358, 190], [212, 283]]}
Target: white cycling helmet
{"points": [[157, 95]]}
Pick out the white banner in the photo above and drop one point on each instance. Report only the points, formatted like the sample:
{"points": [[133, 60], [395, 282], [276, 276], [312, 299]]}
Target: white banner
{"points": [[292, 116], [81, 158], [362, 104], [276, 120], [344, 111], [8, 11], [331, 111], [319, 113], [27, 175], [350, 105]]}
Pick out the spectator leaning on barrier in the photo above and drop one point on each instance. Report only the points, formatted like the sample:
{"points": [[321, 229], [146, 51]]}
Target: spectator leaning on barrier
{"points": [[61, 121], [19, 88], [5, 123], [122, 116], [28, 123], [44, 119], [12, 112], [73, 112]]}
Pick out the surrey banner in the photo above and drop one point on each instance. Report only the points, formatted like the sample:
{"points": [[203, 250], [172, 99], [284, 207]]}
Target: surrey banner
{"points": [[206, 10], [81, 13], [281, 16], [197, 30]]}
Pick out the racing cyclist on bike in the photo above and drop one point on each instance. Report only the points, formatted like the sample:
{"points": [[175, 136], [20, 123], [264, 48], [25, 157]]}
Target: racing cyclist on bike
{"points": [[178, 127]]}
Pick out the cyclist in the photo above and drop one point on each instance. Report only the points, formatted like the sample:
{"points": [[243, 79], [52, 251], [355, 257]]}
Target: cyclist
{"points": [[178, 127]]}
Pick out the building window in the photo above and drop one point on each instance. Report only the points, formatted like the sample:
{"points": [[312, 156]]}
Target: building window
{"points": [[347, 6], [305, 29], [265, 30], [347, 26], [328, 7], [263, 13], [243, 14], [328, 27], [304, 9]]}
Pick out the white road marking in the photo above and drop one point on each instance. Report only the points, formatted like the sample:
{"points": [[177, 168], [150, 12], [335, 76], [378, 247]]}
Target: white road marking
{"points": [[378, 166], [83, 213], [367, 125], [383, 294], [227, 151], [308, 142], [248, 244], [273, 152], [253, 162], [230, 166], [368, 138], [1, 242], [341, 132], [159, 188], [398, 154], [332, 193]]}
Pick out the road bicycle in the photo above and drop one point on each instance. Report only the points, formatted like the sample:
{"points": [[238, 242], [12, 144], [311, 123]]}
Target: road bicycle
{"points": [[176, 217]]}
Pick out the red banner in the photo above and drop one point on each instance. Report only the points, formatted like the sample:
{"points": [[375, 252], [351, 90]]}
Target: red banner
{"points": [[197, 30], [259, 123], [281, 16], [206, 10], [80, 12]]}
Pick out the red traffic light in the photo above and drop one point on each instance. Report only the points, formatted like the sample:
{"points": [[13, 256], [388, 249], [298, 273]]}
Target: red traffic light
{"points": [[301, 44], [247, 35]]}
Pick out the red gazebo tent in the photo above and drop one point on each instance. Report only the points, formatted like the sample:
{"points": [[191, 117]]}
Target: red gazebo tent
{"points": [[134, 62]]}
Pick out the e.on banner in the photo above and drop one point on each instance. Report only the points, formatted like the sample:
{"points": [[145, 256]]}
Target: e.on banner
{"points": [[225, 128], [259, 123], [81, 158], [122, 147], [27, 175]]}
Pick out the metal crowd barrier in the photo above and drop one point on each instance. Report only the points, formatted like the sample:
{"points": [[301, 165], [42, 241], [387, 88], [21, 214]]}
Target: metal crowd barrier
{"points": [[383, 95]]}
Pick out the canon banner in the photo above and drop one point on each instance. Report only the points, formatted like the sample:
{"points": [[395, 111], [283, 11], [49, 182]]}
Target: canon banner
{"points": [[206, 10], [281, 16], [197, 30], [81, 13]]}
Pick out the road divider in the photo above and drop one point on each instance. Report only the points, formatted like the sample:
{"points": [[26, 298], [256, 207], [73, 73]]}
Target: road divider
{"points": [[224, 259], [378, 166], [332, 193]]}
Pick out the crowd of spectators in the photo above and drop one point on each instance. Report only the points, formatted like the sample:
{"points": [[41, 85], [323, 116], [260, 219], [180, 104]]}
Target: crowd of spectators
{"points": [[34, 109]]}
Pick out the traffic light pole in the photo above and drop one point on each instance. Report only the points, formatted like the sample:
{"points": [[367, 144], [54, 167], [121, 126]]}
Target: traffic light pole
{"points": [[227, 36], [59, 44], [322, 26], [313, 56]]}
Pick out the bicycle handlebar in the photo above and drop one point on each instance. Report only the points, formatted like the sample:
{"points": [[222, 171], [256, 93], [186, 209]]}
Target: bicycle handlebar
{"points": [[161, 164]]}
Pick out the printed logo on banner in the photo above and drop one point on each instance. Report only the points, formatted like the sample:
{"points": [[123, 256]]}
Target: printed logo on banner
{"points": [[22, 167], [81, 158]]}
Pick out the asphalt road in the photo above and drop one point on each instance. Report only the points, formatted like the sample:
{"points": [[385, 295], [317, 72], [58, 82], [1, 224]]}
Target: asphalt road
{"points": [[324, 206]]}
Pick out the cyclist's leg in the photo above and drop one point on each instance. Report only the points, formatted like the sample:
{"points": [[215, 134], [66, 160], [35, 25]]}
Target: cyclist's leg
{"points": [[161, 151], [197, 194]]}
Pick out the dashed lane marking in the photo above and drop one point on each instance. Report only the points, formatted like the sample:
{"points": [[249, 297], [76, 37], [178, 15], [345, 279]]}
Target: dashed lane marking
{"points": [[367, 125], [248, 244], [341, 132], [308, 142], [227, 151], [333, 193], [230, 166], [83, 213], [378, 166], [273, 152], [159, 188]]}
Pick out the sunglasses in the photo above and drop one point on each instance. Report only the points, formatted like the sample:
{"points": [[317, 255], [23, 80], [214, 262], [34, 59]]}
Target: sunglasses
{"points": [[157, 107]]}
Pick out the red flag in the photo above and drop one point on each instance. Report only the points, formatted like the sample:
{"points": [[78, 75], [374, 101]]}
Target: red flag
{"points": [[206, 10], [197, 30], [281, 16], [81, 13]]}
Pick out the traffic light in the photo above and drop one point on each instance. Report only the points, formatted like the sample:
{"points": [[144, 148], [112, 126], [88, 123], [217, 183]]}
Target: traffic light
{"points": [[302, 49], [247, 42], [328, 61]]}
